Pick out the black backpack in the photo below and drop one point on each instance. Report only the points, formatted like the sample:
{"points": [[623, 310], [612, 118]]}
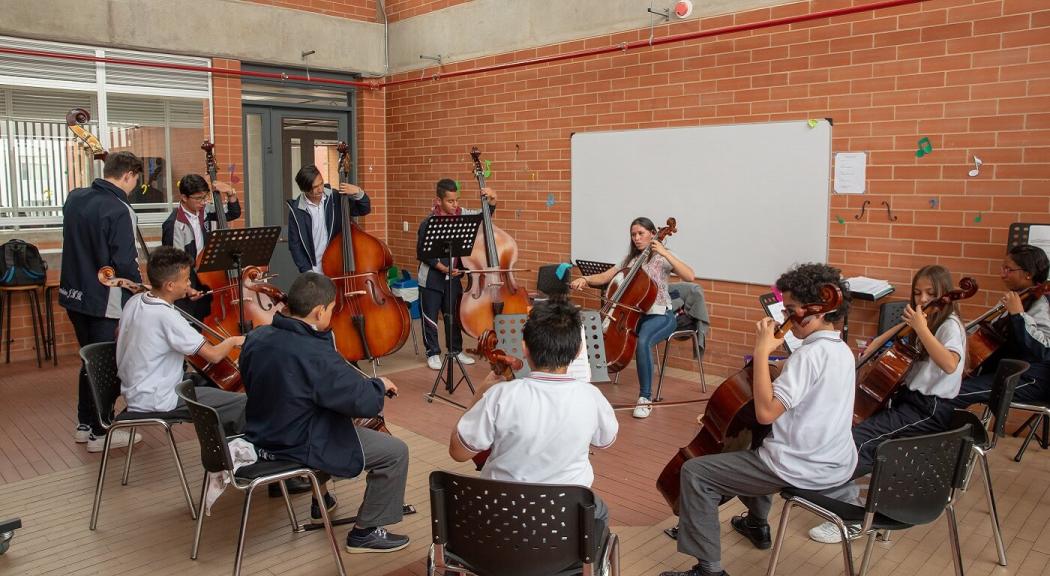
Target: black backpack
{"points": [[21, 264]]}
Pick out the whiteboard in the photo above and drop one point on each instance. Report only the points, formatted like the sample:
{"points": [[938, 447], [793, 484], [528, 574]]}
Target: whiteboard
{"points": [[751, 200]]}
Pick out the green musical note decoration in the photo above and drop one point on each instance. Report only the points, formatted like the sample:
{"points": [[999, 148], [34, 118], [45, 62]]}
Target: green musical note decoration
{"points": [[924, 147]]}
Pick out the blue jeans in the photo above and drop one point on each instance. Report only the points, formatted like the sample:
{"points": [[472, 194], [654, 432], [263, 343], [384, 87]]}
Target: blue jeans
{"points": [[653, 329]]}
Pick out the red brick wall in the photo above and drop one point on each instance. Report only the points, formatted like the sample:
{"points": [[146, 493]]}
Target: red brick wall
{"points": [[401, 9], [352, 9], [973, 76]]}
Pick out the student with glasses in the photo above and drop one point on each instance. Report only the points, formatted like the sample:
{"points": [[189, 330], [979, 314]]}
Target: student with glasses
{"points": [[187, 226]]}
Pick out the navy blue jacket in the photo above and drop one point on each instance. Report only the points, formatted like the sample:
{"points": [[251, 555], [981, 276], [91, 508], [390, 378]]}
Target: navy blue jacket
{"points": [[302, 395], [300, 225], [98, 229]]}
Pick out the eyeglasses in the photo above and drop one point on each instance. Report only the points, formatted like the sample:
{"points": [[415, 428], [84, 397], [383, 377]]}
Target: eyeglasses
{"points": [[199, 197], [1007, 270]]}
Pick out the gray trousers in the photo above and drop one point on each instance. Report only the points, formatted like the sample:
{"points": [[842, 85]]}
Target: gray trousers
{"points": [[386, 460], [705, 480]]}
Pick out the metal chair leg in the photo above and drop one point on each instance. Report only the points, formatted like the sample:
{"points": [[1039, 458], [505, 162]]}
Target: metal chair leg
{"points": [[38, 340], [244, 529], [700, 362], [993, 510], [778, 543], [101, 480], [663, 364], [327, 523], [1031, 434], [200, 519], [953, 536], [868, 546], [182, 473], [127, 457], [288, 506]]}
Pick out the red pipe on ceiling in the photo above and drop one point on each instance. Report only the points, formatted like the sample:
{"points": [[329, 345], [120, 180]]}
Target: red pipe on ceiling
{"points": [[622, 47]]}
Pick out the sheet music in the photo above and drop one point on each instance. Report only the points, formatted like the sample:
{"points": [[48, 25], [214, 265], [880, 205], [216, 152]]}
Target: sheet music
{"points": [[776, 311], [1039, 235]]}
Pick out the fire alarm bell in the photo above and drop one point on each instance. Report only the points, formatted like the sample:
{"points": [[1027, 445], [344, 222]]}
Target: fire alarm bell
{"points": [[683, 8]]}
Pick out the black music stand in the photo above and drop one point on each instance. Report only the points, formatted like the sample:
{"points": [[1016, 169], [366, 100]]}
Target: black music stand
{"points": [[449, 237], [233, 248], [592, 268]]}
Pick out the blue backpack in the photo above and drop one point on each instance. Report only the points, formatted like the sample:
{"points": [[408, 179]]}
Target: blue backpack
{"points": [[21, 264]]}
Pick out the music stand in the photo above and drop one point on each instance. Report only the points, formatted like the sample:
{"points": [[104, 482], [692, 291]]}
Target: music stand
{"points": [[593, 268], [232, 249], [449, 237]]}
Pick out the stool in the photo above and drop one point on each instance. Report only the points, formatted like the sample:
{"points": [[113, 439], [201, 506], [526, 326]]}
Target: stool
{"points": [[50, 341], [6, 300]]}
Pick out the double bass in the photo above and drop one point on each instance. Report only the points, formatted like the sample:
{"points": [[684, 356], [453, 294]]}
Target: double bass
{"points": [[491, 287], [987, 332], [881, 373], [223, 374], [729, 423], [630, 293], [369, 321]]}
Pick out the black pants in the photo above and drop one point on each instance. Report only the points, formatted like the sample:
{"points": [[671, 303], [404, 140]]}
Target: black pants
{"points": [[910, 413], [434, 303], [1034, 385], [90, 330]]}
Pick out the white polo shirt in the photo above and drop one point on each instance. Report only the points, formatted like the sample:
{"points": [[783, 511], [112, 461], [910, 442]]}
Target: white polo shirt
{"points": [[811, 444], [540, 429], [152, 343], [927, 377]]}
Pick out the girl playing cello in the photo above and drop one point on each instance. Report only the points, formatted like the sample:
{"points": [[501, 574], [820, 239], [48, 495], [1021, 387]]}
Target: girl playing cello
{"points": [[658, 322]]}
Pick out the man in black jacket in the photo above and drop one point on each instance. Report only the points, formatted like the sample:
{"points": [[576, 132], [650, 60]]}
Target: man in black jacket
{"points": [[98, 229], [316, 216], [301, 397]]}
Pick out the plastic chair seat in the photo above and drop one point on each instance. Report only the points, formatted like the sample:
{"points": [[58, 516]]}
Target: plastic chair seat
{"points": [[266, 468], [126, 416], [850, 513]]}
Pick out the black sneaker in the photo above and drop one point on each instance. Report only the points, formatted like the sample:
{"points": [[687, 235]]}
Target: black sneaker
{"points": [[758, 535], [695, 571], [294, 485], [329, 504], [378, 540]]}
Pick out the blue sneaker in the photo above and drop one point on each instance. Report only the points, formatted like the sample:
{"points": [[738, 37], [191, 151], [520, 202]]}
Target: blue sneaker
{"points": [[378, 540]]}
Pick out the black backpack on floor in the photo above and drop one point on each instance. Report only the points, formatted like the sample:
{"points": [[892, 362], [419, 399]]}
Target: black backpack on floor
{"points": [[21, 264]]}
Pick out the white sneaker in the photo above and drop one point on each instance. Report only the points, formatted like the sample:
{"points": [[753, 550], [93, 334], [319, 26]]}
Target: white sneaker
{"points": [[82, 434], [828, 533], [641, 410], [465, 359], [120, 440], [434, 362]]}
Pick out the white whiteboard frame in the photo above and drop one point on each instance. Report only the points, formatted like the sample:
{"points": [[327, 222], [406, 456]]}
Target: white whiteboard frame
{"points": [[751, 200]]}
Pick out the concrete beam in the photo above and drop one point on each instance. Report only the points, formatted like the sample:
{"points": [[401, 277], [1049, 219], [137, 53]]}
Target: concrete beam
{"points": [[485, 27], [243, 31]]}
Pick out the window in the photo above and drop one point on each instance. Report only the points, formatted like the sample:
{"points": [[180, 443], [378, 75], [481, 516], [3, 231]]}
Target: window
{"points": [[159, 114]]}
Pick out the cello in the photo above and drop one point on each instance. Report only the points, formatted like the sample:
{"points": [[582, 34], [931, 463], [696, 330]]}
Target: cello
{"points": [[630, 293], [368, 321], [987, 332], [729, 423], [223, 374], [494, 291], [881, 373]]}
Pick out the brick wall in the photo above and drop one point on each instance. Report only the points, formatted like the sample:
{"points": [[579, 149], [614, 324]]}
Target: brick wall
{"points": [[401, 9], [352, 9], [972, 76]]}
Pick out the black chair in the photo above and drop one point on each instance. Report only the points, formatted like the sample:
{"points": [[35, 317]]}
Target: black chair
{"points": [[1040, 418], [216, 457], [100, 362], [695, 335], [890, 314], [984, 439], [914, 480], [491, 528]]}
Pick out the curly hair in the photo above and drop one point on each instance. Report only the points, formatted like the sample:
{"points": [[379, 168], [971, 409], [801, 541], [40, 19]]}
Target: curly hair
{"points": [[805, 280]]}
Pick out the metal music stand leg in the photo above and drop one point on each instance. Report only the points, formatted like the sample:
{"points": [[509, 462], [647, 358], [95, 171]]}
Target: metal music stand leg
{"points": [[450, 358]]}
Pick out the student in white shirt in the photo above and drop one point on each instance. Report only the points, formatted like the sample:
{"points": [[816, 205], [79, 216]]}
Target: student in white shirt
{"points": [[934, 380], [809, 406], [154, 339], [540, 428]]}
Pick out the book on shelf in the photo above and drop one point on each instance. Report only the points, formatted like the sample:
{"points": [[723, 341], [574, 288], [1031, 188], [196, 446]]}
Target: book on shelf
{"points": [[868, 288]]}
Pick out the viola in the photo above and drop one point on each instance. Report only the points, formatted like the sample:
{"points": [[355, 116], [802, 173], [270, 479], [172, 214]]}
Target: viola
{"points": [[988, 332], [729, 423], [369, 321], [503, 365], [494, 291], [881, 373], [223, 374], [630, 293]]}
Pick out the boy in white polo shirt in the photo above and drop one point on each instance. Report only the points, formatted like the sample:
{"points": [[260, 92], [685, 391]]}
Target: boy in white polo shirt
{"points": [[810, 407], [540, 428], [154, 339]]}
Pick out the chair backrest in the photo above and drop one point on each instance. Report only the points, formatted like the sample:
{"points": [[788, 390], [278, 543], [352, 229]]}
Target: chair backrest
{"points": [[512, 528], [890, 314], [215, 452], [1006, 377], [914, 478], [100, 362]]}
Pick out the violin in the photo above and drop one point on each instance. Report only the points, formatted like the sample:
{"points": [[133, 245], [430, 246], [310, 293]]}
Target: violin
{"points": [[630, 293], [494, 291], [503, 365], [729, 423], [223, 374], [988, 332], [369, 321], [880, 374]]}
